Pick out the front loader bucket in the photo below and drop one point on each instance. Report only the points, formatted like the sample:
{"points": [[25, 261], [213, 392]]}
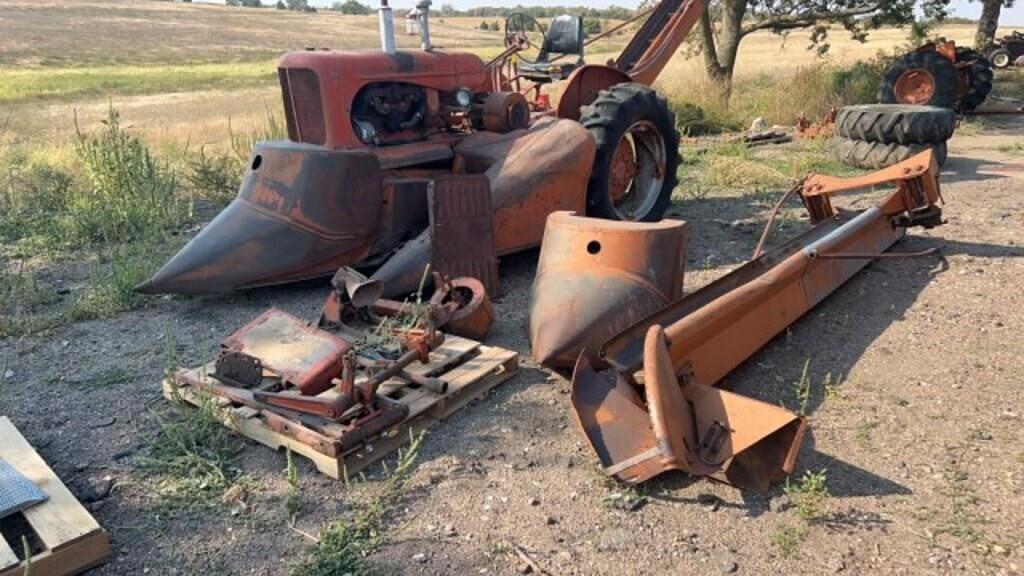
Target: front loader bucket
{"points": [[302, 212], [698, 429]]}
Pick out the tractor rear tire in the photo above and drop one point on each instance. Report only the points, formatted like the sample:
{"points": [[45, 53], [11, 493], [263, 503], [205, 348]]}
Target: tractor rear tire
{"points": [[1000, 58], [940, 69], [634, 128], [981, 79], [896, 123], [877, 155]]}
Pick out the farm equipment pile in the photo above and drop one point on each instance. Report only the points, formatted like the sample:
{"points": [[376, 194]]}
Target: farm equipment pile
{"points": [[425, 166], [606, 301]]}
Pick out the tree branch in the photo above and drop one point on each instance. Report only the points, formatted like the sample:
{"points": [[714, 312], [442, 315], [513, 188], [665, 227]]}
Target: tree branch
{"points": [[807, 19]]}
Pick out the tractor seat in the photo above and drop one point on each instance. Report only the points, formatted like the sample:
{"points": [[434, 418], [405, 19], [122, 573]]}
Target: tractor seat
{"points": [[563, 38]]}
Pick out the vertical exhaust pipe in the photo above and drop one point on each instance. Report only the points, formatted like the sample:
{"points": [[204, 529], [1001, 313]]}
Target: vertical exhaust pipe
{"points": [[387, 28], [423, 14]]}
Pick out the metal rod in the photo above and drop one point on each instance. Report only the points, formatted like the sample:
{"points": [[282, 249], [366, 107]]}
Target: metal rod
{"points": [[771, 218], [858, 256]]}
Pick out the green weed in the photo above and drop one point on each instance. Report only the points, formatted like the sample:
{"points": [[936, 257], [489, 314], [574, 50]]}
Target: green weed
{"points": [[864, 433], [293, 498], [191, 455], [111, 287], [344, 544], [809, 495], [215, 177], [802, 390], [787, 540], [127, 193]]}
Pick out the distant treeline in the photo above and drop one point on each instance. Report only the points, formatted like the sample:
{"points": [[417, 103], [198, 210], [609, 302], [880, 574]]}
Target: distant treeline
{"points": [[609, 13], [357, 7]]}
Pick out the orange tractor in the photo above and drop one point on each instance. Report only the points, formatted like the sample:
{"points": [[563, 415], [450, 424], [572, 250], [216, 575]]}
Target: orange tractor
{"points": [[396, 157]]}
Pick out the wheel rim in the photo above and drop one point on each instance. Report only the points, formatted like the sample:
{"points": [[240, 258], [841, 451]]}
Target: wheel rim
{"points": [[1001, 60], [914, 87], [638, 171]]}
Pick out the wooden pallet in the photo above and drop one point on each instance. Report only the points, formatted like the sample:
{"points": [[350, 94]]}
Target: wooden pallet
{"points": [[63, 537], [470, 368]]}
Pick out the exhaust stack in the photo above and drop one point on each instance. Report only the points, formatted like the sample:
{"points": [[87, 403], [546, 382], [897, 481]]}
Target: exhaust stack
{"points": [[387, 28], [423, 15]]}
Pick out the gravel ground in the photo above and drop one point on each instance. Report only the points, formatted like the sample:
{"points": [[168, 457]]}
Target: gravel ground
{"points": [[920, 440]]}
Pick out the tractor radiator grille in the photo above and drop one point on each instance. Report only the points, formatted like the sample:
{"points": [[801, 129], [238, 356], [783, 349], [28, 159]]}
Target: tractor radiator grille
{"points": [[303, 108]]}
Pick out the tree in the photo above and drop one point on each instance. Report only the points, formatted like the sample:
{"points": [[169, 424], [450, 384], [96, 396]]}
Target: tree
{"points": [[252, 3], [725, 23], [298, 5], [989, 22], [591, 26], [351, 7], [280, 5]]}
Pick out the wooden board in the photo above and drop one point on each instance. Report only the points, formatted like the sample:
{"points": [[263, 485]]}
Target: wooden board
{"points": [[72, 539], [470, 368]]}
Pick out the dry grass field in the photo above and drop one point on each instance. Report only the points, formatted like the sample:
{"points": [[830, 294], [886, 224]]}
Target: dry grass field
{"points": [[911, 374]]}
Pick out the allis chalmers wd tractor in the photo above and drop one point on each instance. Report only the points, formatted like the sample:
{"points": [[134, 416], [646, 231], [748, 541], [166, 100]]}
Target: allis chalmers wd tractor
{"points": [[385, 147]]}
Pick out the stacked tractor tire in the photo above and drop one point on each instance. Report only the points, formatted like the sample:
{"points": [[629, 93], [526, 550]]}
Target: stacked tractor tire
{"points": [[919, 96], [874, 136]]}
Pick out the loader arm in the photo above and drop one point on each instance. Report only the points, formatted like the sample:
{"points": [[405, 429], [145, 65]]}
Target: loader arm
{"points": [[659, 37]]}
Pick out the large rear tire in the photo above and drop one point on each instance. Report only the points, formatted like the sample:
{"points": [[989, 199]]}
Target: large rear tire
{"points": [[637, 155], [922, 78], [980, 73], [896, 123], [877, 155]]}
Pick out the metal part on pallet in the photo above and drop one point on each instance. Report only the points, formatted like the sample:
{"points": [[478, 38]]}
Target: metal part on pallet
{"points": [[473, 314], [597, 277], [306, 357], [678, 352]]}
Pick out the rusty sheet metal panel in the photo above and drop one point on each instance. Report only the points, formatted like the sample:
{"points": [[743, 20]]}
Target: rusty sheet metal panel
{"points": [[302, 212], [306, 357], [461, 229], [533, 173], [596, 278]]}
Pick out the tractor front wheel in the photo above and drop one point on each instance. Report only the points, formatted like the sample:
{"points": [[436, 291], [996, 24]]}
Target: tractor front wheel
{"points": [[920, 77], [637, 154]]}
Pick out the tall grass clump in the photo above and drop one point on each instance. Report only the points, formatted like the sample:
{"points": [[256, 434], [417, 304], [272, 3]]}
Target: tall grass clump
{"points": [[216, 176], [34, 189], [127, 194], [703, 106]]}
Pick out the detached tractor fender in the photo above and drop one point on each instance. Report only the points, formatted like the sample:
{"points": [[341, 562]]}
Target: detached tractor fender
{"points": [[583, 86]]}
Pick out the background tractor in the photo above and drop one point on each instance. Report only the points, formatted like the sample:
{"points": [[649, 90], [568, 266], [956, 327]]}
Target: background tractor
{"points": [[1007, 51], [383, 144]]}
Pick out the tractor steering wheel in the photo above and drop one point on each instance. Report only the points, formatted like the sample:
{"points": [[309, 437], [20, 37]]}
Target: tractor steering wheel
{"points": [[526, 33]]}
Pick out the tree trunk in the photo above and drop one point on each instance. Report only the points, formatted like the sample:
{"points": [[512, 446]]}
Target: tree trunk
{"points": [[988, 23], [720, 51]]}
